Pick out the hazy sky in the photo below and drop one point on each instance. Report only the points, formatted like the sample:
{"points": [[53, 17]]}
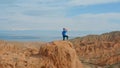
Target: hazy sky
{"points": [[84, 15]]}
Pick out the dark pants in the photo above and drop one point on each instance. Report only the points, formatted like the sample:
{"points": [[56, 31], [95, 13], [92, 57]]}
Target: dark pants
{"points": [[65, 37]]}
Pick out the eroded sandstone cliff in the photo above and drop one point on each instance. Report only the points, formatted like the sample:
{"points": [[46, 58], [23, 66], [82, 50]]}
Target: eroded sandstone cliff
{"points": [[57, 54], [102, 50]]}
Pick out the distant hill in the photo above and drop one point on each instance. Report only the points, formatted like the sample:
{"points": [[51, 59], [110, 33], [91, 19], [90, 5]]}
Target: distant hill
{"points": [[102, 50]]}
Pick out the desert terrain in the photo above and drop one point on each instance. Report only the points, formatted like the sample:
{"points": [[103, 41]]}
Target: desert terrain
{"points": [[91, 51]]}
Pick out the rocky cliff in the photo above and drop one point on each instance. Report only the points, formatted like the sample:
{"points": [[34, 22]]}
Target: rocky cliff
{"points": [[102, 50], [57, 54]]}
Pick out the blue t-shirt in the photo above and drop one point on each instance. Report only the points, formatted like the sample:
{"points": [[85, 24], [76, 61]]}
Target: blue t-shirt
{"points": [[64, 33]]}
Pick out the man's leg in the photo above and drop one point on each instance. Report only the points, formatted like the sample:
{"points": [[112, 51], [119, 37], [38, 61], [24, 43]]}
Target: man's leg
{"points": [[63, 37], [67, 37]]}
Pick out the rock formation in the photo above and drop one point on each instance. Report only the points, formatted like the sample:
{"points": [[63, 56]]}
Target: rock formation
{"points": [[57, 54], [102, 50]]}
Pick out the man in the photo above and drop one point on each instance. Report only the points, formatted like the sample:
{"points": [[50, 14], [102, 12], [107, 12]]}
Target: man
{"points": [[64, 34]]}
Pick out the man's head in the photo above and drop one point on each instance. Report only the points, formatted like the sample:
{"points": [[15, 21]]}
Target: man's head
{"points": [[64, 28]]}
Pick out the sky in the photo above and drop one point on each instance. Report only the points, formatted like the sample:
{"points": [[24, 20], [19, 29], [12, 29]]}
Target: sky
{"points": [[82, 15]]}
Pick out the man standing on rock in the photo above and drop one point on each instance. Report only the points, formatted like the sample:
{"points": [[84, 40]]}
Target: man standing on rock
{"points": [[64, 34]]}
